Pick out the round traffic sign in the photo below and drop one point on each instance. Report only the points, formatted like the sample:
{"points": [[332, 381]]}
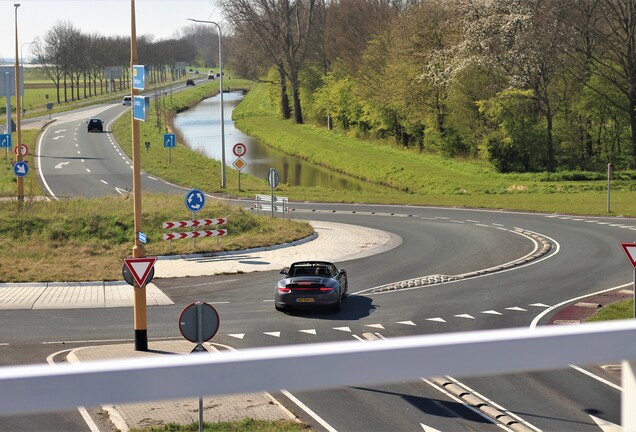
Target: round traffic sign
{"points": [[199, 322], [239, 149], [22, 148], [195, 200], [21, 168]]}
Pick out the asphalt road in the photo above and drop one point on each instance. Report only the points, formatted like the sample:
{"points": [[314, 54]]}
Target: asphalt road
{"points": [[585, 257]]}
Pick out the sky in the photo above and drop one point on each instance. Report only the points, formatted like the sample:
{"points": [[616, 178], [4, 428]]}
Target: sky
{"points": [[161, 18]]}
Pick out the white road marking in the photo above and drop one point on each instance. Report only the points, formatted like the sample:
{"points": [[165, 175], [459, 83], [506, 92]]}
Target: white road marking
{"points": [[59, 131], [61, 165], [493, 403], [428, 428], [464, 404], [536, 320], [309, 331], [517, 308], [344, 329], [606, 426], [467, 316], [491, 312], [539, 305], [438, 319], [596, 377], [305, 408], [380, 326], [87, 418], [275, 334], [104, 181], [409, 323], [237, 335]]}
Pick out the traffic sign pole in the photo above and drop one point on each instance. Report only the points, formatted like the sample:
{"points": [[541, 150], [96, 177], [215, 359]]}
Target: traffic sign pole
{"points": [[140, 319]]}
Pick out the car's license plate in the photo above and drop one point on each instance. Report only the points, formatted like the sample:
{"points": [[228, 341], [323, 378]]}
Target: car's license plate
{"points": [[305, 300]]}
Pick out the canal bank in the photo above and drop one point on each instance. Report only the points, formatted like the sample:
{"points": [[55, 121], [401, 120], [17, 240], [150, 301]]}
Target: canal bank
{"points": [[200, 129]]}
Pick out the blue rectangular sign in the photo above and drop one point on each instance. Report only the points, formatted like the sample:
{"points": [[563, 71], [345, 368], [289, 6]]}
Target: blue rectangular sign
{"points": [[142, 237], [141, 76], [5, 140], [169, 140], [141, 108]]}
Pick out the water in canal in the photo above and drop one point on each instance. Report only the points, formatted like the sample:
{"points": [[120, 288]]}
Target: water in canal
{"points": [[201, 129]]}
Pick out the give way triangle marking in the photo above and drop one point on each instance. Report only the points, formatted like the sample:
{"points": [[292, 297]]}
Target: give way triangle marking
{"points": [[140, 268]]}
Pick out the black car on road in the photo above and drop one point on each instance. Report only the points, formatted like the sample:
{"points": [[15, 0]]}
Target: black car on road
{"points": [[95, 124], [311, 284]]}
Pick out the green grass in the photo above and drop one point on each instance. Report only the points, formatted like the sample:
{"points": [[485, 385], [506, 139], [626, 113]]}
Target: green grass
{"points": [[617, 311], [8, 180], [238, 426], [71, 232], [87, 239]]}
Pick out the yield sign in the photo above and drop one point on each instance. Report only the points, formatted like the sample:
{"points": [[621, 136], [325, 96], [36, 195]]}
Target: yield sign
{"points": [[630, 250], [140, 268]]}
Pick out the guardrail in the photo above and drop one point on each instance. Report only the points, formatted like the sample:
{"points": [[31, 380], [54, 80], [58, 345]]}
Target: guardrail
{"points": [[271, 204], [36, 388]]}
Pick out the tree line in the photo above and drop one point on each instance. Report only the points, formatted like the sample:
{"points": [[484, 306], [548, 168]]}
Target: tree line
{"points": [[82, 65], [529, 85]]}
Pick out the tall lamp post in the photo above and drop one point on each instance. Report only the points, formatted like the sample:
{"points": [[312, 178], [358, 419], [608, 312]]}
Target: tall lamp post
{"points": [[18, 107], [223, 182], [22, 63]]}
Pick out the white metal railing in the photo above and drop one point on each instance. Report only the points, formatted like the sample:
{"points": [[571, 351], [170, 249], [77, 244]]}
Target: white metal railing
{"points": [[269, 203], [35, 388]]}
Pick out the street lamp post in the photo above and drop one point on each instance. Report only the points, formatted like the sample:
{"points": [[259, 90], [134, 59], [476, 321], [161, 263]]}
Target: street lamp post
{"points": [[223, 182], [18, 107], [22, 63]]}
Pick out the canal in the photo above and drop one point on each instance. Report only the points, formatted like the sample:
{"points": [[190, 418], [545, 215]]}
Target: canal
{"points": [[201, 129]]}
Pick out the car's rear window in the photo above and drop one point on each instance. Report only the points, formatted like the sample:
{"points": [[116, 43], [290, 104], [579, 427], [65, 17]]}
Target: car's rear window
{"points": [[310, 270]]}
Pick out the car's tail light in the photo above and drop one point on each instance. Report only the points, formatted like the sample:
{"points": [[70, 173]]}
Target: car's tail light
{"points": [[325, 289], [284, 290]]}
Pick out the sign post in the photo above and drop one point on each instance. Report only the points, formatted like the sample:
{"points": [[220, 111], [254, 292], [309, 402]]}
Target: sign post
{"points": [[630, 251], [169, 142], [5, 143], [138, 251], [198, 323], [239, 150], [272, 179], [194, 201]]}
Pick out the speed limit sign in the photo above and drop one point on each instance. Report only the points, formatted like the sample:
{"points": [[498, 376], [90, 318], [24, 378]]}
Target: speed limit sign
{"points": [[239, 149], [23, 149]]}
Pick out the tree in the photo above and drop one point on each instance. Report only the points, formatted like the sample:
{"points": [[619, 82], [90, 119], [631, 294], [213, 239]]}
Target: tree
{"points": [[527, 40], [283, 29], [515, 145], [615, 58]]}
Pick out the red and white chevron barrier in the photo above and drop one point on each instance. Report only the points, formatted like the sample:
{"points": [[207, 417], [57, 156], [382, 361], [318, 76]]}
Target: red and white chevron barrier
{"points": [[195, 234], [194, 223]]}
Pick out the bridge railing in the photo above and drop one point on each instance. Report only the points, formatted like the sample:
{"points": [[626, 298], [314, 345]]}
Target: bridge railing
{"points": [[36, 388]]}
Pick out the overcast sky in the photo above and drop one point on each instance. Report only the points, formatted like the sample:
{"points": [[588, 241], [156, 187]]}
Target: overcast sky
{"points": [[160, 18]]}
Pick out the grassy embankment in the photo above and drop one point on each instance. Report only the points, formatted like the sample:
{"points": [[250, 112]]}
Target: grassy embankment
{"points": [[428, 179], [407, 177], [52, 241]]}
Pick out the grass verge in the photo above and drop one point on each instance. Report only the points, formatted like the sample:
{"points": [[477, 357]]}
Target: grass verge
{"points": [[617, 311], [238, 426], [87, 239]]}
